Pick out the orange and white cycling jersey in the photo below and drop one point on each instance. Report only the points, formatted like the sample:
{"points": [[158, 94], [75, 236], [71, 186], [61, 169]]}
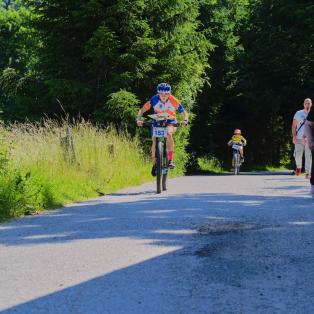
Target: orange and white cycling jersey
{"points": [[171, 106]]}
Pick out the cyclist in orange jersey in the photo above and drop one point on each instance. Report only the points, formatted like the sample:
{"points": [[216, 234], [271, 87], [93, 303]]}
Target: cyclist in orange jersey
{"points": [[164, 102]]}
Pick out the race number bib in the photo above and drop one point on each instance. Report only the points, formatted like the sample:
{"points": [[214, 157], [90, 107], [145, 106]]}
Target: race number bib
{"points": [[159, 132], [236, 146]]}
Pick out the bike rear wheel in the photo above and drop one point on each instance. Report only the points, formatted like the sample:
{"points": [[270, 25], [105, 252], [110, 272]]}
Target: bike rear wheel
{"points": [[159, 150], [236, 163]]}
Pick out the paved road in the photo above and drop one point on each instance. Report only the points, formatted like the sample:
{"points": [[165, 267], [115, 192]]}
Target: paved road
{"points": [[212, 244]]}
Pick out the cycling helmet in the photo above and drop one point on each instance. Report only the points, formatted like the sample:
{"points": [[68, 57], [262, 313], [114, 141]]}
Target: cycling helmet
{"points": [[163, 88], [237, 131]]}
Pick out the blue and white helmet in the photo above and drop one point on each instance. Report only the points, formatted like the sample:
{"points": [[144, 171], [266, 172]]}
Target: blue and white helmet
{"points": [[163, 88]]}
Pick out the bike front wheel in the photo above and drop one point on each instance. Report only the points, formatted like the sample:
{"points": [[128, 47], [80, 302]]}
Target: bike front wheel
{"points": [[236, 163], [159, 151], [165, 168]]}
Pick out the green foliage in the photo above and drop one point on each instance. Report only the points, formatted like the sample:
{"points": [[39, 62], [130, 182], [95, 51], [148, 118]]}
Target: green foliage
{"points": [[222, 22], [261, 71], [34, 173], [10, 4], [136, 54], [113, 47], [275, 74], [9, 81], [209, 164], [18, 43], [232, 62], [23, 96], [23, 194], [120, 109], [129, 45], [108, 48], [102, 47], [182, 47], [181, 156], [4, 152]]}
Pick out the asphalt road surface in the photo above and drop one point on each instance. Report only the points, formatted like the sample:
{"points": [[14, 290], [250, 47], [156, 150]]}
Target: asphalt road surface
{"points": [[211, 244]]}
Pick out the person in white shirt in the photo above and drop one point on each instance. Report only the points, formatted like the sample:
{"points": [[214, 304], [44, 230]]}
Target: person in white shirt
{"points": [[300, 141]]}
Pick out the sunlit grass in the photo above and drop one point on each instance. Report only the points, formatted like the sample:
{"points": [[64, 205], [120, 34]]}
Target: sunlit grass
{"points": [[209, 164], [38, 173], [281, 168]]}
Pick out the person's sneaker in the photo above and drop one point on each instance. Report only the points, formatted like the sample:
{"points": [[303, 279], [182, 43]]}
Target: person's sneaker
{"points": [[171, 164], [298, 171], [307, 176], [153, 172], [312, 190], [242, 160]]}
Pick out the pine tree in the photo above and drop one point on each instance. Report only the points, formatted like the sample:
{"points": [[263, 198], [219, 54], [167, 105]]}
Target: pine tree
{"points": [[222, 22], [276, 74]]}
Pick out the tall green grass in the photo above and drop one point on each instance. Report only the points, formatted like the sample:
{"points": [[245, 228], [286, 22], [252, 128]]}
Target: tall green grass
{"points": [[36, 172], [209, 164]]}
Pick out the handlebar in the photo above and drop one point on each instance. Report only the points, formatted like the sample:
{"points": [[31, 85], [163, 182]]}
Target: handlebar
{"points": [[243, 144], [165, 124], [161, 119]]}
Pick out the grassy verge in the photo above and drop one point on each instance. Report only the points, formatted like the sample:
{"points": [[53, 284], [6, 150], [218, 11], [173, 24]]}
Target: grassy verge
{"points": [[270, 168], [209, 165], [39, 170], [282, 168]]}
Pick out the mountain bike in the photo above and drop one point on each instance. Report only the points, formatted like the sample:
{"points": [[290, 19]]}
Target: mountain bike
{"points": [[236, 158], [159, 131]]}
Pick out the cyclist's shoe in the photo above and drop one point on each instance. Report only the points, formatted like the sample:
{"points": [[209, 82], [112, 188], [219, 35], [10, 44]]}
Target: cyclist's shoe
{"points": [[242, 160], [171, 164], [153, 172], [298, 171]]}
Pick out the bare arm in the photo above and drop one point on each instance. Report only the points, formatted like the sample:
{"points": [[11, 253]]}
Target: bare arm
{"points": [[294, 130], [244, 141], [140, 113], [185, 115]]}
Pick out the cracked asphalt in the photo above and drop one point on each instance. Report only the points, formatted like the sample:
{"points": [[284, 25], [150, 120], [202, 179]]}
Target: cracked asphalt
{"points": [[210, 244]]}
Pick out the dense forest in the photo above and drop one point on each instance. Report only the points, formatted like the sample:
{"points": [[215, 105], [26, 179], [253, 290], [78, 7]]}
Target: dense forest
{"points": [[233, 63]]}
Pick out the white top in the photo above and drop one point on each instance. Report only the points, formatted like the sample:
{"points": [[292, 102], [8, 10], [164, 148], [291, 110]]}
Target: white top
{"points": [[300, 116]]}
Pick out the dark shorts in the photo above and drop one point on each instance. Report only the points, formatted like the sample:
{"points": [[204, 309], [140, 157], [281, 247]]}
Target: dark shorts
{"points": [[234, 150]]}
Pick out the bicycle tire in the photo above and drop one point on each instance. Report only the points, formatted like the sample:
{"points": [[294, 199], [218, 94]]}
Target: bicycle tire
{"points": [[236, 161], [234, 165], [165, 167], [159, 150]]}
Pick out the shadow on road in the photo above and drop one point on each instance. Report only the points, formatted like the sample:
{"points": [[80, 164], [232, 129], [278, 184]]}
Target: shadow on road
{"points": [[233, 254], [245, 173]]}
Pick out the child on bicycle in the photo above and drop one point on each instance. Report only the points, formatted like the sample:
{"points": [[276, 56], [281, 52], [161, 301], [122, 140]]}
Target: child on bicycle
{"points": [[238, 139], [164, 102]]}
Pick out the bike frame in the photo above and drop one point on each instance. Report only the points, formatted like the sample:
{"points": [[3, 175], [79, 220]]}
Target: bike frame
{"points": [[236, 161], [161, 155]]}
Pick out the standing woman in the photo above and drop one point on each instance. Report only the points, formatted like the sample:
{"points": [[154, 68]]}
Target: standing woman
{"points": [[309, 134]]}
